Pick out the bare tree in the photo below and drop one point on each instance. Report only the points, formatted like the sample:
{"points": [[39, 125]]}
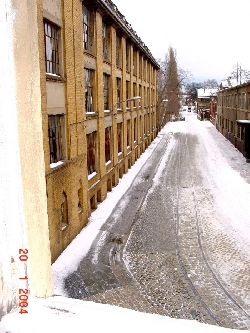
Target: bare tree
{"points": [[241, 75], [170, 80], [210, 84]]}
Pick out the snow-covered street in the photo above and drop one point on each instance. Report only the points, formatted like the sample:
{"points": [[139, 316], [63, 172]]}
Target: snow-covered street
{"points": [[184, 252]]}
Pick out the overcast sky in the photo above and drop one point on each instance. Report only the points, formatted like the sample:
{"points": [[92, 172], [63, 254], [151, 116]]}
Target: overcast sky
{"points": [[210, 37]]}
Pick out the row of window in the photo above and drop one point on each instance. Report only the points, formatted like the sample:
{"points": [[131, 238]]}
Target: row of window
{"points": [[56, 139], [240, 100], [88, 44], [230, 127], [52, 67], [89, 75], [52, 37], [92, 143]]}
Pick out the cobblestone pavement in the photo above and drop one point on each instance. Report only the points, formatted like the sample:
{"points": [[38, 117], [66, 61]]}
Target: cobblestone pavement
{"points": [[161, 256]]}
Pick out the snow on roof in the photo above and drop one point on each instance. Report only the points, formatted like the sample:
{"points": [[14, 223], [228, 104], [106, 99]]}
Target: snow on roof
{"points": [[229, 83], [206, 92]]}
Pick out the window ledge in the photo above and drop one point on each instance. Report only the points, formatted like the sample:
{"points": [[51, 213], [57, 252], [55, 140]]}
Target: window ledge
{"points": [[93, 174], [57, 164], [55, 77], [64, 226], [89, 114]]}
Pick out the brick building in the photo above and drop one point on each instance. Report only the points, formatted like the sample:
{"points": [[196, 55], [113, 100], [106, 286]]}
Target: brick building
{"points": [[204, 103], [233, 116], [92, 66]]}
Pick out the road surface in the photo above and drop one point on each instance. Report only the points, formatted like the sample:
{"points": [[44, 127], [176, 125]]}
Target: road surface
{"points": [[178, 242]]}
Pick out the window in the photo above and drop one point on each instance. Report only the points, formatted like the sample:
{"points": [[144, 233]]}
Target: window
{"points": [[232, 101], [232, 127], [239, 104], [106, 91], [56, 125], [105, 41], [80, 197], [140, 66], [128, 133], [119, 137], [107, 144], [118, 51], [87, 29], [88, 77], [91, 152], [135, 129], [64, 211], [51, 35], [134, 62], [118, 92], [127, 91], [134, 93], [243, 101], [148, 70], [127, 57]]}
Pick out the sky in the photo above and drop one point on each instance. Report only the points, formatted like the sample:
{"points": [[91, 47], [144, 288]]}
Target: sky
{"points": [[210, 37], [62, 314]]}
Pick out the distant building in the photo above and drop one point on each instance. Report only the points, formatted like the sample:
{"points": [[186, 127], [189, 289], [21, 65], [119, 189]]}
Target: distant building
{"points": [[233, 116], [203, 104]]}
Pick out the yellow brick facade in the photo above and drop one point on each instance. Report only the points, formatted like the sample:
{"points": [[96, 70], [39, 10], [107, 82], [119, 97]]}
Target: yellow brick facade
{"points": [[82, 160]]}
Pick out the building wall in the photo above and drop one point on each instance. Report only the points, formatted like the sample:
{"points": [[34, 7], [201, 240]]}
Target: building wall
{"points": [[233, 104], [23, 216], [64, 95]]}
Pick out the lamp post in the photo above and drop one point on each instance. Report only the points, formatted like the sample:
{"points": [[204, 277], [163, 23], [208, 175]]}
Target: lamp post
{"points": [[135, 98]]}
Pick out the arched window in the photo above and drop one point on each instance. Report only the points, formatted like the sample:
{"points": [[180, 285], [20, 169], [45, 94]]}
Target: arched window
{"points": [[64, 211]]}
